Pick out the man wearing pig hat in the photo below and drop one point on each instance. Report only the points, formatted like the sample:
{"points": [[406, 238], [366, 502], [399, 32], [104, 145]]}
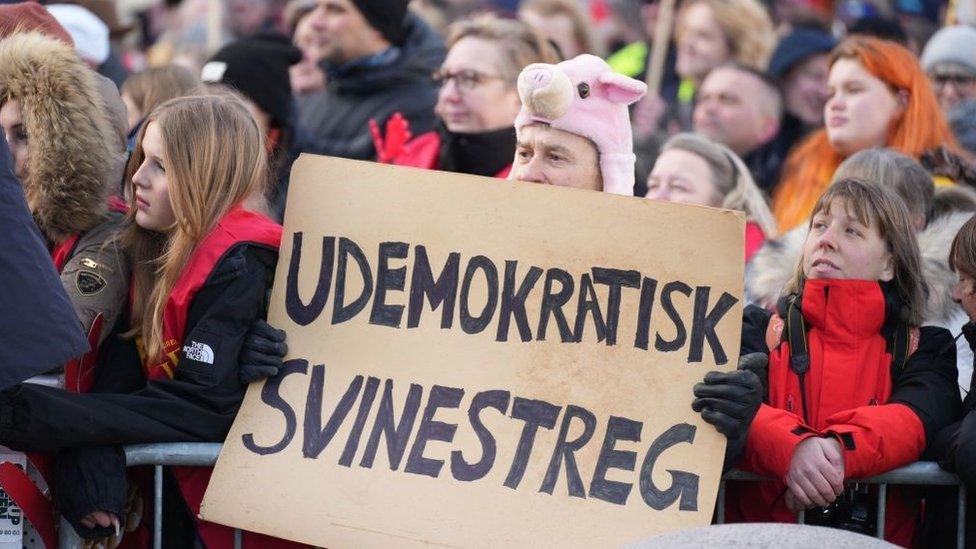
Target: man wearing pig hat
{"points": [[574, 131], [574, 127]]}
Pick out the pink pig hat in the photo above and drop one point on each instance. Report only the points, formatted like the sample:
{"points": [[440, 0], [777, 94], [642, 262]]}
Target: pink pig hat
{"points": [[584, 96]]}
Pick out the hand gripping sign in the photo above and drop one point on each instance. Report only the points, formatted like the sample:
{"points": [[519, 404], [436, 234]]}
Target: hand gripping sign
{"points": [[476, 362]]}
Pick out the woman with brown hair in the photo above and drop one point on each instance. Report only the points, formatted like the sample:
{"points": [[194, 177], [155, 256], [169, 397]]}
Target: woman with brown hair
{"points": [[854, 386], [879, 97], [956, 444]]}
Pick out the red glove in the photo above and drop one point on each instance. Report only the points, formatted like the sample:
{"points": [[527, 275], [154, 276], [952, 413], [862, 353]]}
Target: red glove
{"points": [[397, 135]]}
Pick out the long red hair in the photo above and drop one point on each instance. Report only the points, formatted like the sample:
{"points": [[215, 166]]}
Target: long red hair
{"points": [[919, 128]]}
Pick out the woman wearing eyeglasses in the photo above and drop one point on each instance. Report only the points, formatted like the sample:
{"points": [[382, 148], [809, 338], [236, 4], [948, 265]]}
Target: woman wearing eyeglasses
{"points": [[477, 102], [949, 59]]}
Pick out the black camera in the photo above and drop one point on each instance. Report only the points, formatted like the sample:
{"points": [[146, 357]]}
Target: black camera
{"points": [[855, 510]]}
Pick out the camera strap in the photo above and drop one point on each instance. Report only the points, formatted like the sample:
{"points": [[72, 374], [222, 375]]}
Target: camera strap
{"points": [[796, 334], [901, 343]]}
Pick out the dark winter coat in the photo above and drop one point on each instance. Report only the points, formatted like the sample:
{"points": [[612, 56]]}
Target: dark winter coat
{"points": [[335, 121], [955, 449], [37, 319], [198, 405], [432, 152]]}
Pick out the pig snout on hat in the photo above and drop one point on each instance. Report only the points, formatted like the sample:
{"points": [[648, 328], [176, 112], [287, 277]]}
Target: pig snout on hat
{"points": [[545, 90], [583, 96]]}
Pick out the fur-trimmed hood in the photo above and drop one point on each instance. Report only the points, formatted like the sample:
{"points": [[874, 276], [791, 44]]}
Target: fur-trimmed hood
{"points": [[69, 135], [773, 265]]}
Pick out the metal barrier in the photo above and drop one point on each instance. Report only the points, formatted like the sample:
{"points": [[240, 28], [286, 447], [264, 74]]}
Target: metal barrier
{"points": [[158, 456], [922, 473], [179, 453]]}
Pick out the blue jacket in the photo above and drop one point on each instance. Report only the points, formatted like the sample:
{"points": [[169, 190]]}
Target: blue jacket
{"points": [[38, 326]]}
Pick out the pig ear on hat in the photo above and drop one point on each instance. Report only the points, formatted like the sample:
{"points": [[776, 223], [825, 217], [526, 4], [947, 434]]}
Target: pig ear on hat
{"points": [[620, 88]]}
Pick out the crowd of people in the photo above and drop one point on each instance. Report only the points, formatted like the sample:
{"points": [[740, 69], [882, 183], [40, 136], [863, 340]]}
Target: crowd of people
{"points": [[153, 147]]}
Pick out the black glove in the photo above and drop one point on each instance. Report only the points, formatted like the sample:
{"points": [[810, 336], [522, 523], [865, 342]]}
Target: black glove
{"points": [[729, 401], [757, 363], [263, 352], [90, 479]]}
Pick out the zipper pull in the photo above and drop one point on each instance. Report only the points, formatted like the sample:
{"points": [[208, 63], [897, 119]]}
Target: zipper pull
{"points": [[789, 402]]}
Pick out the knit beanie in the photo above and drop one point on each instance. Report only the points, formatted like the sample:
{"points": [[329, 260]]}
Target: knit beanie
{"points": [[386, 16], [951, 45], [31, 16], [796, 47], [586, 97], [257, 67]]}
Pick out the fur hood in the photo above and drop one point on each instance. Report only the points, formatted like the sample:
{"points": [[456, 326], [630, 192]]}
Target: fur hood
{"points": [[773, 265], [69, 135]]}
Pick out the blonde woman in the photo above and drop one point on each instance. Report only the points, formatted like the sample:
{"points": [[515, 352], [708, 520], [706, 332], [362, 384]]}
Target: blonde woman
{"points": [[202, 264], [710, 33], [477, 101], [146, 89], [693, 169]]}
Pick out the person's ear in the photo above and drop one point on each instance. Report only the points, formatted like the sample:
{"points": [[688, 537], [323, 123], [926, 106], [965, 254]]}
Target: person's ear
{"points": [[888, 272]]}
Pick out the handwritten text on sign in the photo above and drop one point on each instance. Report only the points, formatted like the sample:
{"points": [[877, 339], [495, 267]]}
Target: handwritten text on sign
{"points": [[489, 380]]}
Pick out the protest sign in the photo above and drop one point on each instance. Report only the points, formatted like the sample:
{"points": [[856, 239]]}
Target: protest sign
{"points": [[478, 362]]}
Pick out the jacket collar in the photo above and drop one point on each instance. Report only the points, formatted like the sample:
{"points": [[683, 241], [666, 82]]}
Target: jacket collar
{"points": [[851, 309]]}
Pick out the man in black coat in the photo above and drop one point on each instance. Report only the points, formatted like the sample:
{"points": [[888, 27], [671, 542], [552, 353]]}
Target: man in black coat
{"points": [[378, 59], [38, 325]]}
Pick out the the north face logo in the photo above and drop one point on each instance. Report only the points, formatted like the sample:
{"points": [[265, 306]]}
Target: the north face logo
{"points": [[200, 352]]}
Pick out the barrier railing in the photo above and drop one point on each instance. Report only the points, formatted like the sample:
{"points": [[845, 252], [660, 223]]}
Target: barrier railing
{"points": [[179, 453], [158, 456], [922, 473]]}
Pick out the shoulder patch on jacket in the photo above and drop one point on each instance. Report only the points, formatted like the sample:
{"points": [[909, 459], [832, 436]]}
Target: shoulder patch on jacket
{"points": [[89, 283]]}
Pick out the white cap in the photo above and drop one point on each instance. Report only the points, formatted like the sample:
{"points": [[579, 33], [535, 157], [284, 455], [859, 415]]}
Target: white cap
{"points": [[89, 33]]}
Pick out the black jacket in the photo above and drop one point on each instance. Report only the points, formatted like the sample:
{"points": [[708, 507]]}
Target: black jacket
{"points": [[955, 449], [198, 405], [335, 121]]}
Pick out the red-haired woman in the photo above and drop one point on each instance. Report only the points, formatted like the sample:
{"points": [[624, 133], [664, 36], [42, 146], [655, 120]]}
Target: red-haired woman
{"points": [[879, 97]]}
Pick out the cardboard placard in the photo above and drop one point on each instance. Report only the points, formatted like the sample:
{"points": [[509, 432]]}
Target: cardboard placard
{"points": [[475, 362]]}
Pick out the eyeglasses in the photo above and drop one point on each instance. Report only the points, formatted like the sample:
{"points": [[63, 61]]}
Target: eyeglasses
{"points": [[465, 80], [958, 81]]}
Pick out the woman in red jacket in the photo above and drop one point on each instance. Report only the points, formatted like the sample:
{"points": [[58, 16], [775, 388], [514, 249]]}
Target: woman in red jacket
{"points": [[854, 387], [477, 102]]}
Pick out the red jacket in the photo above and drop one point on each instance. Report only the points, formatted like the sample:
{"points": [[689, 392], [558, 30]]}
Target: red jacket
{"points": [[237, 226], [424, 151], [881, 417]]}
